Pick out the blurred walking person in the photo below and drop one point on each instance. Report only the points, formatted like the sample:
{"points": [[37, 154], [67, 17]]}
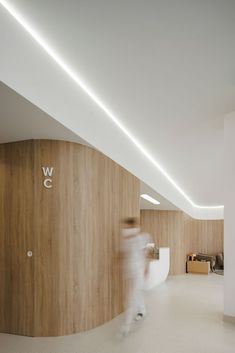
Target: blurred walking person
{"points": [[135, 269]]}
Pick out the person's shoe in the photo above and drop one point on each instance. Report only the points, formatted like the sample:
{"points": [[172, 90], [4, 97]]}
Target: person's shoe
{"points": [[139, 316]]}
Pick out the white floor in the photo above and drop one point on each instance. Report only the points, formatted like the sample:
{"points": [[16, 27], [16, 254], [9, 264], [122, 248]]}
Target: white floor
{"points": [[185, 314]]}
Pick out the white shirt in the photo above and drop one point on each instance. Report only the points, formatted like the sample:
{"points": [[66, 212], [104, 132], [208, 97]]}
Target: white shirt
{"points": [[134, 249]]}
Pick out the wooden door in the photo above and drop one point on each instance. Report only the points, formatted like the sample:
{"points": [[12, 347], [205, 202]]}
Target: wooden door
{"points": [[16, 238]]}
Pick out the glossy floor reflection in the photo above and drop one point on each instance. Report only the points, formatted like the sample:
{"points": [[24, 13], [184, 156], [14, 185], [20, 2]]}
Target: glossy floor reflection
{"points": [[185, 314]]}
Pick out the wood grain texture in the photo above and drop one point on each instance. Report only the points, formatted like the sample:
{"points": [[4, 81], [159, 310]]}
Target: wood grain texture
{"points": [[167, 230], [74, 232], [182, 234], [204, 236], [16, 238]]}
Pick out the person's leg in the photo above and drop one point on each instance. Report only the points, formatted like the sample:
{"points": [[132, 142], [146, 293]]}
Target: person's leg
{"points": [[131, 306], [141, 310]]}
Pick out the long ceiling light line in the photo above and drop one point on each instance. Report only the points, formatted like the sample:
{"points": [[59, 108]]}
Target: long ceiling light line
{"points": [[20, 19]]}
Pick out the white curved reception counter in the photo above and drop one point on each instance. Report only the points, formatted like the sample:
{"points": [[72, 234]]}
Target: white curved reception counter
{"points": [[158, 269]]}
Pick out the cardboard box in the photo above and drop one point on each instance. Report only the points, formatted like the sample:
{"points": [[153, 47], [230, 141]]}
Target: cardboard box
{"points": [[202, 267]]}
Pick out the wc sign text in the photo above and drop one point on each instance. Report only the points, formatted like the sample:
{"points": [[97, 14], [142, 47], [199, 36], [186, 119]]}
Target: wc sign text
{"points": [[47, 172]]}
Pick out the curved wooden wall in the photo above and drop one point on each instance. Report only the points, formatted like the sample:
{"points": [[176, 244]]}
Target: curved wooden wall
{"points": [[183, 235], [72, 282]]}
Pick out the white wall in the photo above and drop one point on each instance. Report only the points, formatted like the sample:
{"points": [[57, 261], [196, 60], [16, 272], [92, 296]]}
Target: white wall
{"points": [[229, 217]]}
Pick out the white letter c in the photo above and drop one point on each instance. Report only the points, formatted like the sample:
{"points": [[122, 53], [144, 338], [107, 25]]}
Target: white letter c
{"points": [[47, 183]]}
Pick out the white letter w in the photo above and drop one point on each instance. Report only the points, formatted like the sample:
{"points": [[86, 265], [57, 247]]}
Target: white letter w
{"points": [[47, 171]]}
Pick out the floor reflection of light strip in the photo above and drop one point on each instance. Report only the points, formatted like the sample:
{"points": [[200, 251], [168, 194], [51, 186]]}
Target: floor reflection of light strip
{"points": [[64, 66]]}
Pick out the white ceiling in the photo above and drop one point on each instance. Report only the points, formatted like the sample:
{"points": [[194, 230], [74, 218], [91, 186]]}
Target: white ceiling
{"points": [[146, 205], [166, 68], [33, 123], [21, 120]]}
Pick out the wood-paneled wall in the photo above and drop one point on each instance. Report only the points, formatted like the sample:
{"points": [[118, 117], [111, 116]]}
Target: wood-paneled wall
{"points": [[73, 281], [182, 234], [16, 238], [204, 236]]}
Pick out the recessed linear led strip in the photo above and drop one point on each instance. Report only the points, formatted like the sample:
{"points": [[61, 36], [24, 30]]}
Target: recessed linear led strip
{"points": [[64, 66], [150, 199]]}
